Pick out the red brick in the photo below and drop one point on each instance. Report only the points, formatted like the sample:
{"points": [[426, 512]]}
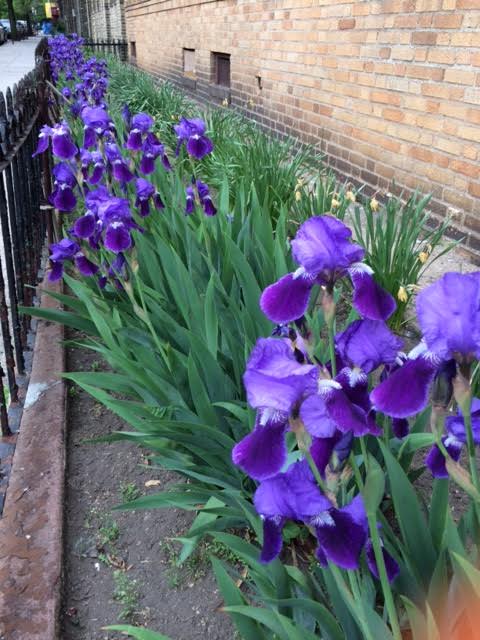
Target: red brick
{"points": [[424, 37], [347, 23], [474, 189], [385, 97], [447, 20], [393, 114], [470, 170]]}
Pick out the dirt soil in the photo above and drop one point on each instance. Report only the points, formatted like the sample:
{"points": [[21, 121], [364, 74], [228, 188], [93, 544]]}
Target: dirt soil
{"points": [[120, 566]]}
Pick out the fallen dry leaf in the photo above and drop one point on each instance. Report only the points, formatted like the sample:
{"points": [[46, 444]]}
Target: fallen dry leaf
{"points": [[153, 483]]}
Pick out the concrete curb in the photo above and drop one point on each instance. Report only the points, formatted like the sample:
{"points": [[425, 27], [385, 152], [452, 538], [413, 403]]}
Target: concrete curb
{"points": [[31, 529]]}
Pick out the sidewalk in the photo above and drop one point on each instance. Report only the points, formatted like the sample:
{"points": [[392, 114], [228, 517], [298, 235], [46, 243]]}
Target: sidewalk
{"points": [[16, 60]]}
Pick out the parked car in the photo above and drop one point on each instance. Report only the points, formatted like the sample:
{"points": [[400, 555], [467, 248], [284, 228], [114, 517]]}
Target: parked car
{"points": [[6, 25], [3, 34], [22, 28]]}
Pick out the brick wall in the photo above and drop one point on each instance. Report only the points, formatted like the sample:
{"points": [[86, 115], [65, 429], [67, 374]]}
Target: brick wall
{"points": [[388, 90], [99, 19], [107, 19]]}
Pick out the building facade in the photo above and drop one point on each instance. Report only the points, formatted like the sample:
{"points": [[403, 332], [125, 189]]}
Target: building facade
{"points": [[95, 19], [389, 90]]}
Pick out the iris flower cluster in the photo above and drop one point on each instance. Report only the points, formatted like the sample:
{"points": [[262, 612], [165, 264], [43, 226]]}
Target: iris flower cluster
{"points": [[325, 409], [107, 179]]}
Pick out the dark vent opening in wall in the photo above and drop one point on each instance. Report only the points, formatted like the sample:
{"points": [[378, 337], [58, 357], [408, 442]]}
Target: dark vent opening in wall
{"points": [[133, 50], [221, 69]]}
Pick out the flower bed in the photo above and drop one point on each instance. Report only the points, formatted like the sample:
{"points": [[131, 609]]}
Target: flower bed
{"points": [[295, 425]]}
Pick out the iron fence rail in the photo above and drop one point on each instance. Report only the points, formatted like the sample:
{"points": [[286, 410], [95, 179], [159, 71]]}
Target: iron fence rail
{"points": [[117, 48], [25, 184]]}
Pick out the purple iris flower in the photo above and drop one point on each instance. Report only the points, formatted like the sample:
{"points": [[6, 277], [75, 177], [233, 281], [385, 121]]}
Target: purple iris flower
{"points": [[66, 251], [449, 316], [96, 121], [189, 200], [404, 392], [448, 312], [126, 115], [191, 132], [454, 440], [108, 218], [93, 166], [116, 219], [152, 149], [276, 383], [120, 168], [84, 226], [294, 495], [117, 237], [205, 199], [341, 404], [146, 192], [141, 124], [203, 193], [325, 253], [367, 344], [63, 196], [62, 144]]}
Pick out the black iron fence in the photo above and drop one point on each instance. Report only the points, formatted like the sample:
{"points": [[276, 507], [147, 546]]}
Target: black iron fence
{"points": [[25, 216], [117, 48]]}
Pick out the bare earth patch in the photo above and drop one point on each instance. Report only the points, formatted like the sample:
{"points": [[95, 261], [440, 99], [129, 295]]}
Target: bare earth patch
{"points": [[120, 566]]}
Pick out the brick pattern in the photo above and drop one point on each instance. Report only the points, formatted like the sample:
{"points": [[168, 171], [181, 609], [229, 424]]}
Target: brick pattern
{"points": [[388, 90], [99, 19]]}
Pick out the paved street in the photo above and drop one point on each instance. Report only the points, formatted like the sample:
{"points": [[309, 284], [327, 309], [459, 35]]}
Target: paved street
{"points": [[16, 60]]}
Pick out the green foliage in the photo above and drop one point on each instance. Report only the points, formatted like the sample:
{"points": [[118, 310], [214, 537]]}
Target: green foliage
{"points": [[176, 340], [109, 533], [129, 491], [400, 244], [126, 593], [136, 632]]}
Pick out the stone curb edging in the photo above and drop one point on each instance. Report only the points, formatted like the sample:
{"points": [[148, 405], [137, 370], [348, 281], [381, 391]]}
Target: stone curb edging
{"points": [[31, 529]]}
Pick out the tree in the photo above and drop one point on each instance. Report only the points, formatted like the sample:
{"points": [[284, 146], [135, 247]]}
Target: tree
{"points": [[11, 17]]}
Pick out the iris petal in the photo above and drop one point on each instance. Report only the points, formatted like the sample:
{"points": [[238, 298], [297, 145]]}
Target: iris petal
{"points": [[272, 539], [369, 299], [342, 534], [287, 299], [64, 199], [405, 392], [316, 418], [117, 237], [63, 147], [347, 416], [199, 146], [435, 459], [263, 452]]}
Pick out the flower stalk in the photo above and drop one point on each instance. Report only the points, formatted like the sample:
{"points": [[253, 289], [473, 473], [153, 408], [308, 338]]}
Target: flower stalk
{"points": [[382, 571]]}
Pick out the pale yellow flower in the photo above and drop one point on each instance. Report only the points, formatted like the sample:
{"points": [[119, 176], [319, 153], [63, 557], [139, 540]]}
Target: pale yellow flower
{"points": [[335, 203], [423, 256], [374, 204], [225, 102], [402, 294], [350, 196], [298, 196]]}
